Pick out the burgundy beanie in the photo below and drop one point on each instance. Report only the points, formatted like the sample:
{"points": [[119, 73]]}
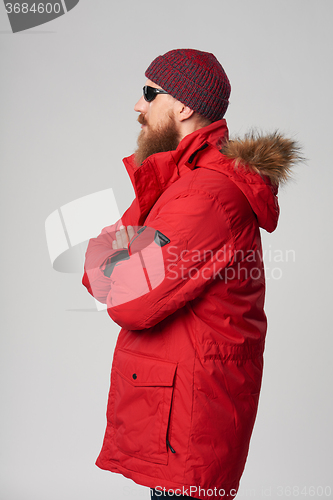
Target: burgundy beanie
{"points": [[194, 78]]}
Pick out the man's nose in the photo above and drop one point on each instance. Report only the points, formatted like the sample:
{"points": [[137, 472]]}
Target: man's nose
{"points": [[141, 106]]}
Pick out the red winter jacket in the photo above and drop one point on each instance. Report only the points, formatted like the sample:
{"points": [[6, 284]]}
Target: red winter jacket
{"points": [[189, 296]]}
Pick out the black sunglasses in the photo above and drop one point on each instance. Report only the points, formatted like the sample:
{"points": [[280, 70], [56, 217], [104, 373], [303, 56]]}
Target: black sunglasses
{"points": [[149, 93]]}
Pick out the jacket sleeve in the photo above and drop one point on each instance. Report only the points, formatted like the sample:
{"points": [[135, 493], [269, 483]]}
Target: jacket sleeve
{"points": [[169, 262], [99, 250]]}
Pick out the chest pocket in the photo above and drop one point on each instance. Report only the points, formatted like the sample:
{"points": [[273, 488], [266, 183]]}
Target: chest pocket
{"points": [[143, 395]]}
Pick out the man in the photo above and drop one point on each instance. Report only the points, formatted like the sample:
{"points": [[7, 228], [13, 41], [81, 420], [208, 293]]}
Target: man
{"points": [[182, 274]]}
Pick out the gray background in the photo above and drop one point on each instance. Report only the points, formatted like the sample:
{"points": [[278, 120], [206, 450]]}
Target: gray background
{"points": [[67, 94]]}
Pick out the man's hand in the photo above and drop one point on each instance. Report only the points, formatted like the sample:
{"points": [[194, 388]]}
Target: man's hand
{"points": [[123, 236]]}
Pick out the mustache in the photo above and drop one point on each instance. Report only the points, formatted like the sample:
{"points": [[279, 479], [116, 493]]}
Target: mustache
{"points": [[142, 120]]}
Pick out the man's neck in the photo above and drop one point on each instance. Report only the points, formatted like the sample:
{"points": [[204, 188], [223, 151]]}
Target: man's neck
{"points": [[196, 122]]}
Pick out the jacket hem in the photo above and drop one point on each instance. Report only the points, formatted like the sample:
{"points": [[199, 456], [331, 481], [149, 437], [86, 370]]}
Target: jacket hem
{"points": [[230, 491]]}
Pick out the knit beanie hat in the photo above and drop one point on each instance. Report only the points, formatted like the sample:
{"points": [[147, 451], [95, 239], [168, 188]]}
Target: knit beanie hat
{"points": [[194, 78]]}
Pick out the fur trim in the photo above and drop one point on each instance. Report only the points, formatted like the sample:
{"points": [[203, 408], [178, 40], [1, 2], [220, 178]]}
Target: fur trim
{"points": [[272, 155]]}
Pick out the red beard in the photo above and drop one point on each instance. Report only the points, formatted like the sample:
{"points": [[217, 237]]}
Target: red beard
{"points": [[150, 141]]}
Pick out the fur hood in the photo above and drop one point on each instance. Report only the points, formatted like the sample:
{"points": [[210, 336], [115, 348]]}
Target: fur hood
{"points": [[270, 155], [257, 164]]}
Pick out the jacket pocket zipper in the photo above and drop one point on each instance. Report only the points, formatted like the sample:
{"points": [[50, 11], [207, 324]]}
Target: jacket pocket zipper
{"points": [[169, 445]]}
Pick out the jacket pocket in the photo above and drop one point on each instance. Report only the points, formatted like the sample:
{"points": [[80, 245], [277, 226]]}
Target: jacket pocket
{"points": [[143, 394]]}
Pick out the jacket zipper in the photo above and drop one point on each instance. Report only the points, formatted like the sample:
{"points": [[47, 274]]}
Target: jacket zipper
{"points": [[169, 445]]}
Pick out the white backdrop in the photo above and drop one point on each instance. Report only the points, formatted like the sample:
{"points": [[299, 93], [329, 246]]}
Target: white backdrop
{"points": [[67, 94]]}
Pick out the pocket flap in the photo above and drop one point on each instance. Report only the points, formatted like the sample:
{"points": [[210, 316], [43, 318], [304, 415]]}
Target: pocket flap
{"points": [[142, 370]]}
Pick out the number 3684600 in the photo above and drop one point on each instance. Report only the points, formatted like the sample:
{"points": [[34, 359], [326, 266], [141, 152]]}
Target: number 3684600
{"points": [[35, 8]]}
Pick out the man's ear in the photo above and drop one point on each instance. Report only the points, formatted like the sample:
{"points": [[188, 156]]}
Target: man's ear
{"points": [[183, 112]]}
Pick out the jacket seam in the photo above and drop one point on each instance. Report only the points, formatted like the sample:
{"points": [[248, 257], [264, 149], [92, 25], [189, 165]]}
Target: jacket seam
{"points": [[185, 193], [158, 177], [196, 173]]}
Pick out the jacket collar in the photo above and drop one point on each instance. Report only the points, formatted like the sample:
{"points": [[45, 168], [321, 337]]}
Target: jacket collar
{"points": [[161, 170]]}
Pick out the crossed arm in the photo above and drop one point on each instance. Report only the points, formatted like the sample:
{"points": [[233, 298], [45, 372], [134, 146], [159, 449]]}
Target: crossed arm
{"points": [[157, 277]]}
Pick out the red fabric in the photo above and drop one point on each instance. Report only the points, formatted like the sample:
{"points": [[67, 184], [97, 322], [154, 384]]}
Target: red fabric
{"points": [[188, 362]]}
